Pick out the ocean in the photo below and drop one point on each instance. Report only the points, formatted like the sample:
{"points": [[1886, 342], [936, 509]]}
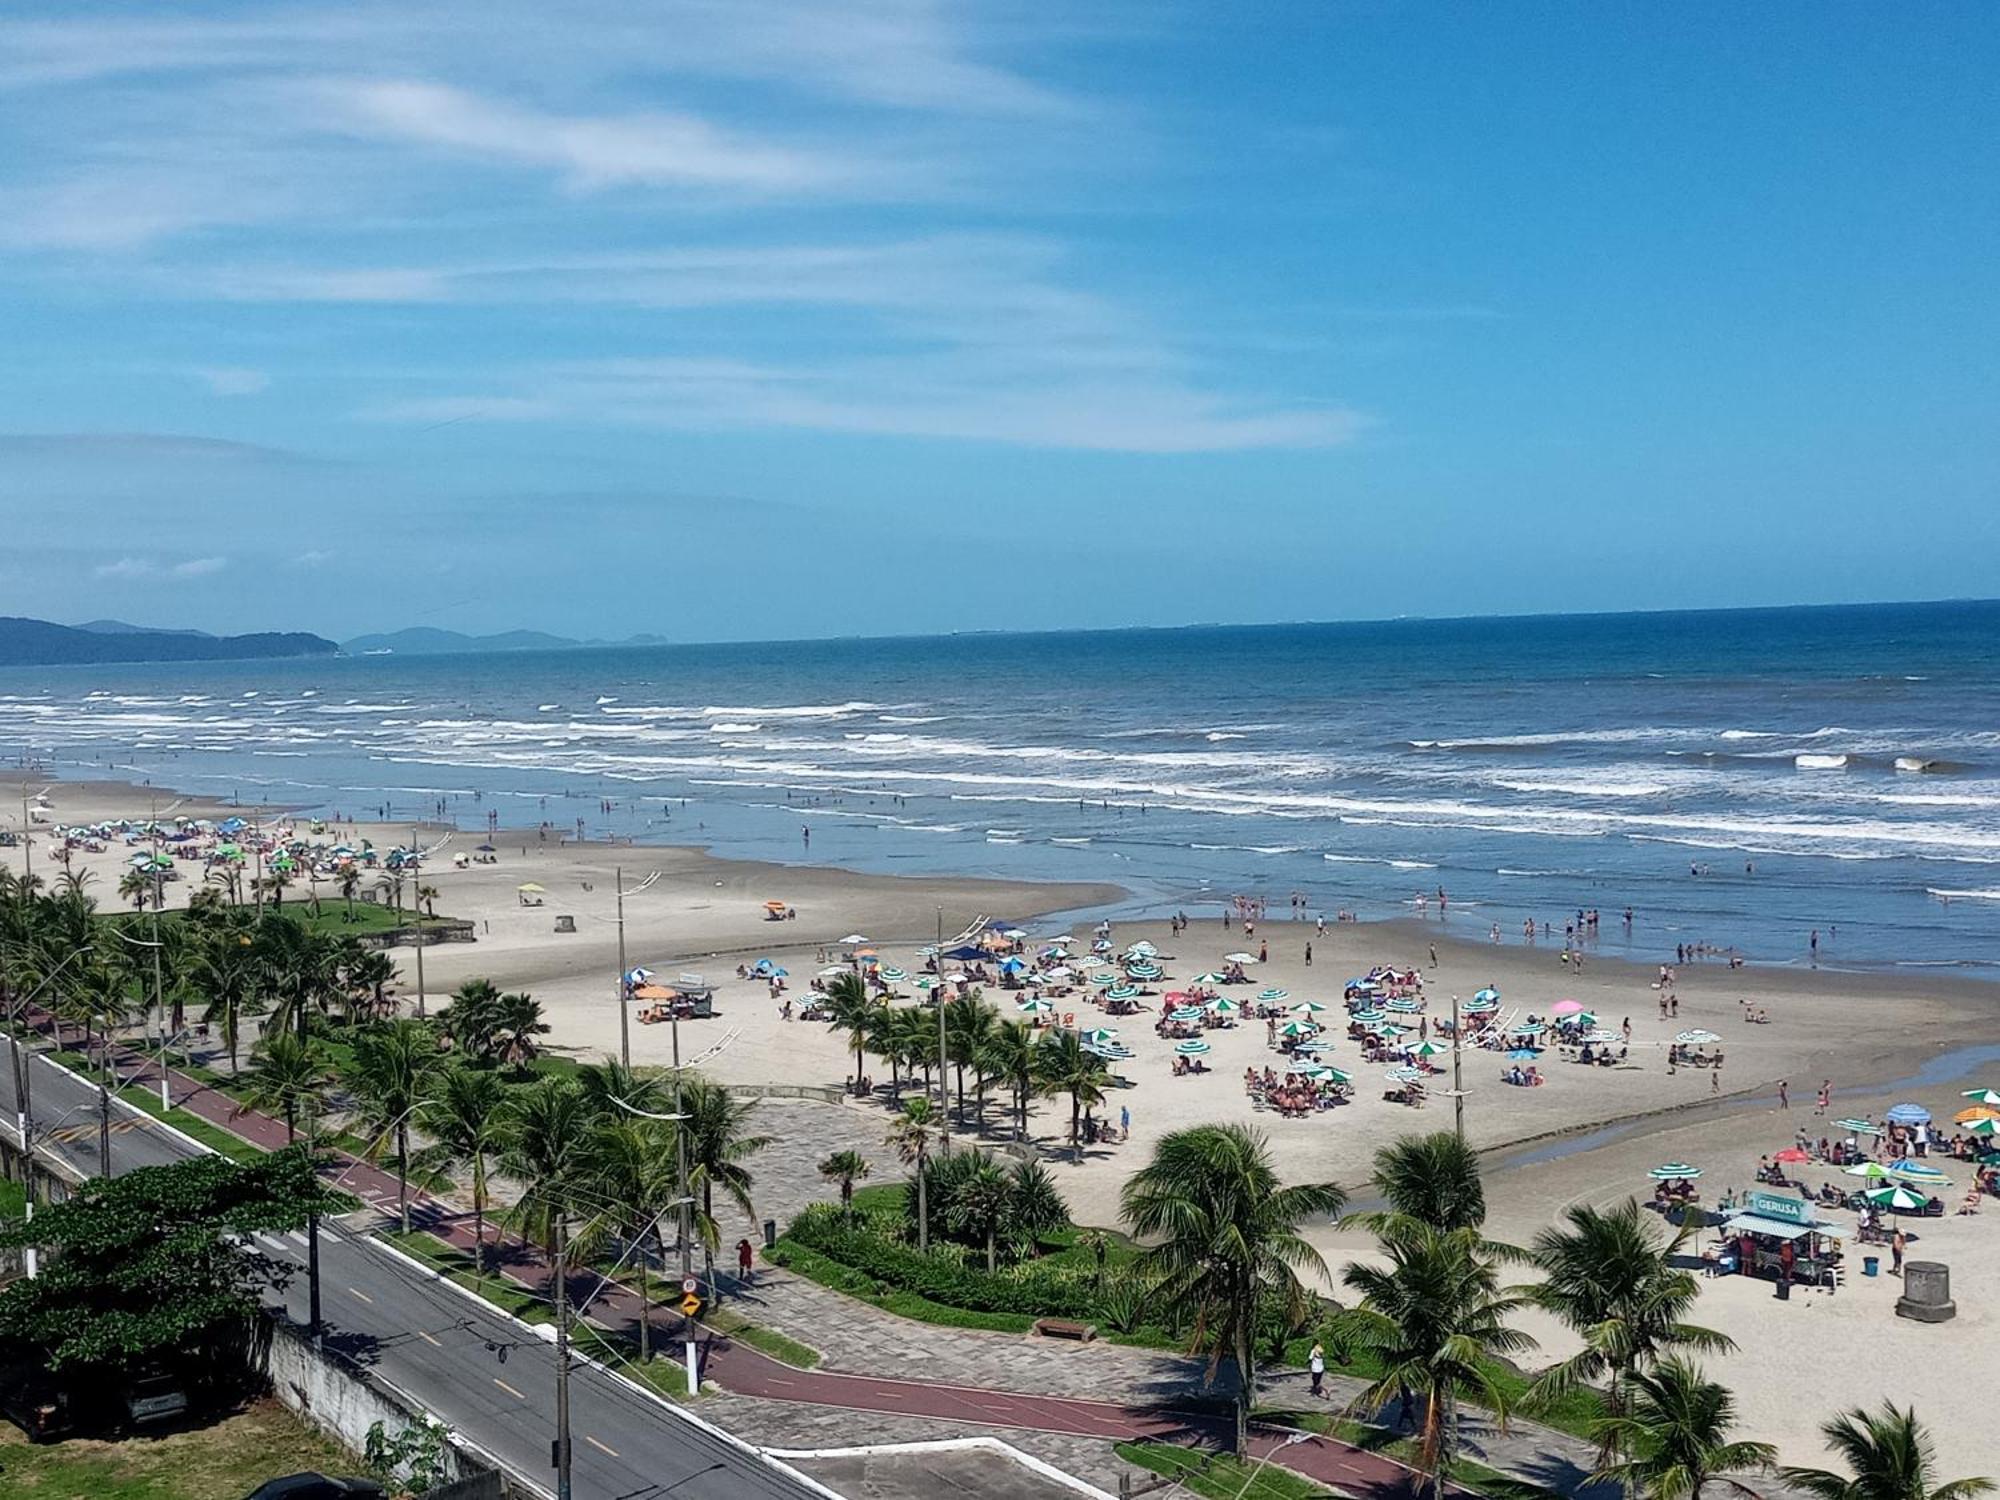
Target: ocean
{"points": [[1741, 778]]}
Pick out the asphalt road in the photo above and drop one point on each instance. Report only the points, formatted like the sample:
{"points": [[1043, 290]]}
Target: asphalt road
{"points": [[490, 1378]]}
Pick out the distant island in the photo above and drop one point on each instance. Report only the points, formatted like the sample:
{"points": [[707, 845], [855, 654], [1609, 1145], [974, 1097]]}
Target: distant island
{"points": [[424, 640], [42, 643]]}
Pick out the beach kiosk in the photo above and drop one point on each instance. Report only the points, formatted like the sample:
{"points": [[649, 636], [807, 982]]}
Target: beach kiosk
{"points": [[1776, 1236]]}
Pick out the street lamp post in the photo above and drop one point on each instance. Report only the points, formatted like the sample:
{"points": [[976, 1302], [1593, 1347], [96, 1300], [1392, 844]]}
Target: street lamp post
{"points": [[1457, 1084], [624, 985], [561, 1453]]}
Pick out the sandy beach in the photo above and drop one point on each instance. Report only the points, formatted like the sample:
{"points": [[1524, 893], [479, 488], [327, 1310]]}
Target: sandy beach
{"points": [[1548, 1146]]}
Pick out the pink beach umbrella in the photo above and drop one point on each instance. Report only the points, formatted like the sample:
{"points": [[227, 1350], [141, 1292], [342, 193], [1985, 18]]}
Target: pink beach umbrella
{"points": [[1566, 1008]]}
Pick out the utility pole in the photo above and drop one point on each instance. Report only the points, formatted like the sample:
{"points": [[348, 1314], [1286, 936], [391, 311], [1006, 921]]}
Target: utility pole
{"points": [[418, 889], [624, 986], [944, 1046], [559, 1454], [1457, 1083], [683, 1227], [314, 1325], [159, 990], [103, 1126]]}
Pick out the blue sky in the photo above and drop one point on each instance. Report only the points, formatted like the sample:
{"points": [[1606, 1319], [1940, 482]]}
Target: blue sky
{"points": [[743, 319]]}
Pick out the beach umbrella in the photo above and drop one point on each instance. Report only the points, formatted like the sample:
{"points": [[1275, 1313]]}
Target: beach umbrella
{"points": [[1859, 1127], [1404, 1075], [1977, 1112], [1012, 965], [1599, 1037], [1143, 971], [1874, 1171], [1104, 981], [1584, 1018], [1273, 996], [1982, 1096], [1225, 1007], [1674, 1171], [1486, 997], [1191, 1048], [1124, 992], [1035, 1005], [1527, 1028], [1097, 1036], [927, 982], [1907, 1114], [1371, 1015], [1297, 1029], [833, 971], [1696, 1038], [1405, 1007], [1184, 1013], [1208, 979], [1897, 1199], [1791, 1155], [1308, 1008], [1984, 1128], [1426, 1049], [1141, 950], [854, 937], [1239, 958], [1917, 1171], [1388, 1030], [1566, 1008], [1311, 1044], [1523, 1054], [893, 976], [1478, 1007]]}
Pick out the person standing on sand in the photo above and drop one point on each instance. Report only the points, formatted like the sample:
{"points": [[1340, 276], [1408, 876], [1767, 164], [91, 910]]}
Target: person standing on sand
{"points": [[1309, 955], [1897, 1246], [1825, 1100], [1263, 953], [1715, 1080], [1784, 1094]]}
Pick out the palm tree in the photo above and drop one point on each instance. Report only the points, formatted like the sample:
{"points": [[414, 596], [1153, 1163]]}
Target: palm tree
{"points": [[1063, 1065], [427, 896], [390, 1076], [1224, 1235], [845, 1168], [517, 1021], [609, 1086], [1677, 1433], [717, 1146], [1430, 1181], [1891, 1458], [227, 971], [1608, 1277], [465, 1115], [910, 1136], [288, 1077], [547, 1129], [374, 972], [626, 1181], [1010, 1058], [969, 1026], [350, 882], [981, 1203], [135, 886], [470, 1016], [853, 1012], [1435, 1319]]}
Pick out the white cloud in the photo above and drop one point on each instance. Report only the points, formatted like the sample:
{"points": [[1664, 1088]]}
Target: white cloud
{"points": [[231, 380], [312, 557], [132, 568], [592, 151]]}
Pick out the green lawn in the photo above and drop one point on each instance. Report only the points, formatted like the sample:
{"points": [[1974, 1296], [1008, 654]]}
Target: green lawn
{"points": [[1466, 1471], [221, 1461], [332, 918], [1220, 1475], [213, 1136], [766, 1340]]}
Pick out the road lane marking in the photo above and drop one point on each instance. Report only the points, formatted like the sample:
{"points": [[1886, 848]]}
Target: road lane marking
{"points": [[428, 1339], [599, 1446], [508, 1389], [361, 1294]]}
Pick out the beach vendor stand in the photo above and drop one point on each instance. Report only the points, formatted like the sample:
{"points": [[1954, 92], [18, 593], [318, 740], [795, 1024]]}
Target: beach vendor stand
{"points": [[1775, 1236]]}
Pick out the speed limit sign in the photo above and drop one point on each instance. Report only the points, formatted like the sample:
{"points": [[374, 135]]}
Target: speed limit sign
{"points": [[690, 1285]]}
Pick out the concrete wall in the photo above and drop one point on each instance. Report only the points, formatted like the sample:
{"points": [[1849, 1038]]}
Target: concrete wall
{"points": [[344, 1400]]}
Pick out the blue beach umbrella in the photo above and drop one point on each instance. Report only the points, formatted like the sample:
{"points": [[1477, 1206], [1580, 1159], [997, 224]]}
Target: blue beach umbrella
{"points": [[1523, 1054], [1908, 1114], [1917, 1171], [1122, 992], [1274, 996], [1486, 996]]}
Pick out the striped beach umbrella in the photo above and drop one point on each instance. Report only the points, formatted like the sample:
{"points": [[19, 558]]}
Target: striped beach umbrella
{"points": [[1308, 1008], [1274, 996], [894, 976], [1977, 1112], [1897, 1199], [1185, 1013], [1293, 1029], [1674, 1171], [1405, 1006], [1122, 992], [1982, 1096], [1859, 1127], [1477, 1007], [1225, 1007], [1404, 1075], [1918, 1171], [1987, 1127], [1597, 1036], [1389, 1030], [1143, 971], [1369, 1016], [1907, 1114], [1035, 1005], [1098, 1036], [1696, 1038], [1527, 1028], [1210, 978], [927, 981], [1191, 1048], [1311, 1044], [1425, 1049], [1105, 980], [1486, 997], [1239, 958], [1874, 1171], [1142, 950]]}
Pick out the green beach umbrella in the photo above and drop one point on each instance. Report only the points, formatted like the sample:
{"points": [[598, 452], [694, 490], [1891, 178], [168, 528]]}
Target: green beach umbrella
{"points": [[1405, 1007], [1696, 1038], [1426, 1049], [1308, 1008], [1296, 1029], [1273, 996], [1097, 1036], [1225, 1007], [1982, 1096], [1036, 1006], [1371, 1015], [1674, 1171], [927, 982], [1874, 1171], [1122, 992], [1208, 979], [894, 976], [1983, 1127], [1191, 1048], [1897, 1199], [1859, 1127], [1104, 981]]}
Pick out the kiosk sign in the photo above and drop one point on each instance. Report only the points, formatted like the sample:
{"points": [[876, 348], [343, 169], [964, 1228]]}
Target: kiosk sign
{"points": [[1785, 1210]]}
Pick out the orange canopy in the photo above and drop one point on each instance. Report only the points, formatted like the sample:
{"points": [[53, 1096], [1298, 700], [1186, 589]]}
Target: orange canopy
{"points": [[654, 992], [1977, 1112]]}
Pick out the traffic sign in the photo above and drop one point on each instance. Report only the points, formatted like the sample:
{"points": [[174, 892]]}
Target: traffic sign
{"points": [[690, 1304], [690, 1285]]}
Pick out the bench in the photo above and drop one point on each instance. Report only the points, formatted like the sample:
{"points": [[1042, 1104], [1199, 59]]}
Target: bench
{"points": [[1064, 1328]]}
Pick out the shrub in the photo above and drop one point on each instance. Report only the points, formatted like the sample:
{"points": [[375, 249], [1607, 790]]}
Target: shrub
{"points": [[1034, 1289]]}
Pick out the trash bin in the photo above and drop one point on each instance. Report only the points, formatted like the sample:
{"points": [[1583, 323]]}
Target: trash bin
{"points": [[1784, 1288], [1870, 1264], [771, 1235]]}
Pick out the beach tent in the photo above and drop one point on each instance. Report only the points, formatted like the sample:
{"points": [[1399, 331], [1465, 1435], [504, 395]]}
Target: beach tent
{"points": [[1908, 1114]]}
